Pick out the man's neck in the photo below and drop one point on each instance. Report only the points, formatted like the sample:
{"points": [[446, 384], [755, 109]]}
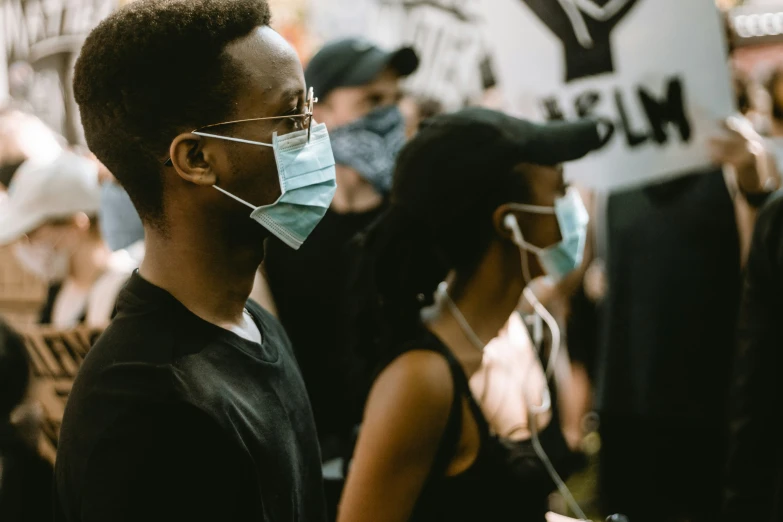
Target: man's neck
{"points": [[210, 277]]}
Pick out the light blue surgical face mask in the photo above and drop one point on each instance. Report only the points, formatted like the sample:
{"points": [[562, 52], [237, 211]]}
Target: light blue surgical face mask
{"points": [[307, 184], [565, 256], [119, 222]]}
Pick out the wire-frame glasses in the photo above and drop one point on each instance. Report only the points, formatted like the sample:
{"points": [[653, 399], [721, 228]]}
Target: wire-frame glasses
{"points": [[306, 117]]}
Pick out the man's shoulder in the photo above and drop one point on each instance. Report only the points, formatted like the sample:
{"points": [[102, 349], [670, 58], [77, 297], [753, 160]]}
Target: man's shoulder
{"points": [[140, 339]]}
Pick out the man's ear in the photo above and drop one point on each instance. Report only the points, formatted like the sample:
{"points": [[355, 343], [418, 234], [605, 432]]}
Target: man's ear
{"points": [[190, 160]]}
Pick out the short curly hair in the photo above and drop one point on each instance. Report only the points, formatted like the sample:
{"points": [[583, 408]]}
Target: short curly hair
{"points": [[152, 70]]}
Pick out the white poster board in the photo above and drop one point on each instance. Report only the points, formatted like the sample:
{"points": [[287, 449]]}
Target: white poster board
{"points": [[655, 69], [39, 43]]}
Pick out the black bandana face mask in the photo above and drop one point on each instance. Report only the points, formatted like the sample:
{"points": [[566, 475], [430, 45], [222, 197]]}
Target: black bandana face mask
{"points": [[370, 145]]}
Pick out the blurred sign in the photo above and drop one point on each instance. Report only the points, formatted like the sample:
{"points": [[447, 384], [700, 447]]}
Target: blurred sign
{"points": [[655, 70], [55, 357], [332, 19], [39, 44], [448, 37]]}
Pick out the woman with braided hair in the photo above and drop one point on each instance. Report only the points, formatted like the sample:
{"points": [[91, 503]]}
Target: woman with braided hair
{"points": [[479, 208]]}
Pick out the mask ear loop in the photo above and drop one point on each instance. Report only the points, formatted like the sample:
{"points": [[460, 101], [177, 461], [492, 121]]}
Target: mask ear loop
{"points": [[229, 194], [511, 223]]}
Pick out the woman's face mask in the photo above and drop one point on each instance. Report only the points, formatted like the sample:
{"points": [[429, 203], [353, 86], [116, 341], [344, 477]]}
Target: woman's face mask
{"points": [[43, 259], [565, 256], [119, 222]]}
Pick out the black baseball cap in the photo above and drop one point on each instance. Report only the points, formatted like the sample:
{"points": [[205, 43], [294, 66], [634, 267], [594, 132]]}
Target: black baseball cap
{"points": [[352, 62], [478, 142]]}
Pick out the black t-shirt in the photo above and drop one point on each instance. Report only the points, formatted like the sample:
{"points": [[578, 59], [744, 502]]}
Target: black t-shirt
{"points": [[309, 287], [673, 295], [174, 418]]}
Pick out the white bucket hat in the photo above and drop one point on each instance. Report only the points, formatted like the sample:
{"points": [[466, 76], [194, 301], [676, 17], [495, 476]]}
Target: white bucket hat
{"points": [[46, 190]]}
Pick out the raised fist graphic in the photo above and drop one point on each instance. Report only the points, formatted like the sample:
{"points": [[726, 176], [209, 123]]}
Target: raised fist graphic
{"points": [[584, 27]]}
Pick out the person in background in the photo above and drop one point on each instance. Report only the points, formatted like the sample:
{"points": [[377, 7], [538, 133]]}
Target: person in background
{"points": [[50, 218], [774, 90], [23, 136], [25, 477], [191, 406], [120, 224], [416, 109], [358, 88], [465, 233], [768, 111], [754, 472], [674, 254]]}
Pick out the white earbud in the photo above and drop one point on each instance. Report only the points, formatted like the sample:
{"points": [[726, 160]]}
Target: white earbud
{"points": [[510, 222]]}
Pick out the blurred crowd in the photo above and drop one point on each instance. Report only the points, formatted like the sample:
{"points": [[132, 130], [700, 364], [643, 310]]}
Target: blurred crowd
{"points": [[472, 333]]}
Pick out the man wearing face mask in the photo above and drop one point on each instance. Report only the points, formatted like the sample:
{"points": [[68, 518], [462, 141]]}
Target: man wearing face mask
{"points": [[191, 405], [49, 217], [358, 88]]}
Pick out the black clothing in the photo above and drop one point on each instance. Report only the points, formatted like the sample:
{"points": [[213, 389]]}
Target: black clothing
{"points": [[664, 469], [506, 481], [309, 287], [667, 341], [673, 294], [25, 481], [754, 488], [582, 331], [45, 315], [174, 418]]}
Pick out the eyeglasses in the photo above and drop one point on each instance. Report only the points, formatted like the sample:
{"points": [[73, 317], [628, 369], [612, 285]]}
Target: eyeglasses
{"points": [[306, 117]]}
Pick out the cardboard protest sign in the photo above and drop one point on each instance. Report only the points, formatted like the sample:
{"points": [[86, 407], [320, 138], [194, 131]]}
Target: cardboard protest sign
{"points": [[655, 70], [39, 43], [55, 357]]}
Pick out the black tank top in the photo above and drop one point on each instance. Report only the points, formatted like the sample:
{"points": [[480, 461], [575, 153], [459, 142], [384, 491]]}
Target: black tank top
{"points": [[506, 481]]}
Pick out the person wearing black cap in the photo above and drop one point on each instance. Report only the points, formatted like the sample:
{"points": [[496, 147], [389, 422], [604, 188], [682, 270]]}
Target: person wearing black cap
{"points": [[357, 85], [465, 232]]}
